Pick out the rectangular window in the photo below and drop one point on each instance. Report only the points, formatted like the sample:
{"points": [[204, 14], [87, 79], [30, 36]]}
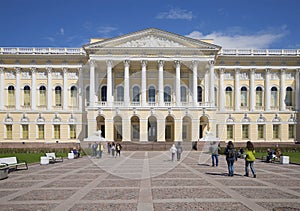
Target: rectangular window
{"points": [[25, 132], [245, 131], [275, 131], [57, 131], [43, 97], [260, 131], [291, 131], [41, 132], [72, 131], [229, 131], [26, 97], [8, 131], [184, 132]]}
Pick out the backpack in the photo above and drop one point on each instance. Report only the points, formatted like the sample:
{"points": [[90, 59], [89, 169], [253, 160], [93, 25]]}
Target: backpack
{"points": [[231, 153]]}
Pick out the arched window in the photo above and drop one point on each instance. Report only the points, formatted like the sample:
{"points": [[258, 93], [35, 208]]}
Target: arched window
{"points": [[229, 99], [136, 94], [104, 93], [58, 96], [199, 95], [11, 96], [182, 94], [274, 96], [42, 95], [120, 93], [26, 96], [167, 94], [289, 96], [259, 96], [73, 96], [244, 96], [151, 94]]}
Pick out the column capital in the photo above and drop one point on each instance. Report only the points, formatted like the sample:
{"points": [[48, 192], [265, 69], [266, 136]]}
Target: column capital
{"points": [[297, 70], [1, 69], [268, 70], [65, 70], [177, 63], [144, 63], [17, 69], [222, 70], [109, 63], [126, 63], [195, 63], [92, 62], [283, 70], [252, 70], [33, 70], [237, 70], [211, 62], [161, 63], [49, 70]]}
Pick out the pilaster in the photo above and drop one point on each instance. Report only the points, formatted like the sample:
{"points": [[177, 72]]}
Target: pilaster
{"points": [[2, 88], [65, 91], [126, 83], [80, 88], [195, 82], [212, 82], [49, 88], [161, 82], [222, 90], [33, 87], [252, 90], [297, 93], [92, 83], [144, 83], [109, 82], [282, 90], [177, 82], [267, 90], [237, 89], [18, 87]]}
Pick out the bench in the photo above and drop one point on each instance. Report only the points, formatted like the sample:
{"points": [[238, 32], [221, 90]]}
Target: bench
{"points": [[52, 157], [13, 163]]}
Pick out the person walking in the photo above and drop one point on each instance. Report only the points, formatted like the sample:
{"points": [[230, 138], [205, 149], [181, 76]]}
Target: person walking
{"points": [[100, 150], [231, 157], [113, 150], [179, 151], [214, 149], [249, 159], [118, 149], [173, 151], [94, 148]]}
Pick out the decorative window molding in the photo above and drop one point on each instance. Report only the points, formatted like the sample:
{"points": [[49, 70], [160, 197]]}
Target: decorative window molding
{"points": [[56, 119], [261, 118], [24, 119], [40, 119], [230, 119], [246, 118], [72, 119], [8, 119], [276, 118]]}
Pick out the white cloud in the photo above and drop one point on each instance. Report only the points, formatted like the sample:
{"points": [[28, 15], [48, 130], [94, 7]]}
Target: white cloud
{"points": [[176, 13], [257, 41], [105, 30], [61, 31]]}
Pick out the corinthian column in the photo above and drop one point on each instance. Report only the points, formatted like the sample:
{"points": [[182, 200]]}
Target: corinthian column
{"points": [[18, 87], [126, 83], [177, 82], [80, 89], [222, 91], [267, 90], [92, 83], [212, 82], [282, 90], [195, 82], [161, 82], [237, 89], [144, 82], [65, 102], [33, 87], [252, 90], [1, 88], [49, 89], [109, 81], [297, 93]]}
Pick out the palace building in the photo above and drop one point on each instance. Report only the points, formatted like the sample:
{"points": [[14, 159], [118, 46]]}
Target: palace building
{"points": [[149, 86]]}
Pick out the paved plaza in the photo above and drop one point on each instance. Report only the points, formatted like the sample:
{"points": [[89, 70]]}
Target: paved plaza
{"points": [[150, 181]]}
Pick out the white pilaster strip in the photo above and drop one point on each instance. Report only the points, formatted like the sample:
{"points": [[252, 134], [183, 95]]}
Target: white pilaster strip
{"points": [[49, 88], [222, 90], [161, 82], [177, 82], [66, 91], [126, 83], [267, 90], [282, 90], [33, 87], [237, 89], [297, 92], [144, 82], [252, 90], [2, 88], [109, 81], [18, 88], [80, 89], [195, 82], [92, 83], [212, 82]]}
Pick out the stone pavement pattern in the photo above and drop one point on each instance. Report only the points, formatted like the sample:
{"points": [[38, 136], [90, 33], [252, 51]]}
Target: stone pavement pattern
{"points": [[150, 181]]}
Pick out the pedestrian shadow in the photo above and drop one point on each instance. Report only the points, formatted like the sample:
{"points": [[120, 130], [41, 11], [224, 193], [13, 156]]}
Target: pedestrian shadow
{"points": [[222, 174], [203, 164]]}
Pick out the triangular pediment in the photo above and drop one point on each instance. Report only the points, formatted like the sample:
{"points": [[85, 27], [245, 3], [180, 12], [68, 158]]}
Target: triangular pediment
{"points": [[151, 38]]}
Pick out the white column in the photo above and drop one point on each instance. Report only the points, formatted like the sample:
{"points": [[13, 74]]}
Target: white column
{"points": [[282, 90], [212, 82], [109, 81], [297, 92], [161, 82], [237, 89], [33, 87], [177, 83], [65, 87], [144, 82], [80, 88], [92, 83], [49, 89], [18, 88], [2, 88], [126, 83], [252, 90], [206, 87], [222, 90], [195, 82], [267, 90]]}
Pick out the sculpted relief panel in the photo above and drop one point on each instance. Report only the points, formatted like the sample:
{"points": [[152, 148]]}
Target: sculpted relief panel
{"points": [[151, 41]]}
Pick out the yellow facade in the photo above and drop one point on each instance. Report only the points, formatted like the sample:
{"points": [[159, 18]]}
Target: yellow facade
{"points": [[149, 86]]}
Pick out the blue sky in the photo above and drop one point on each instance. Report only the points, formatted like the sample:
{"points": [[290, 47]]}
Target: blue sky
{"points": [[71, 23]]}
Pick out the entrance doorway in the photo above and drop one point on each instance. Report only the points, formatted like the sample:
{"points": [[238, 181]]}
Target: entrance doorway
{"points": [[169, 129], [204, 125], [186, 128], [135, 128], [152, 129], [101, 125], [118, 128]]}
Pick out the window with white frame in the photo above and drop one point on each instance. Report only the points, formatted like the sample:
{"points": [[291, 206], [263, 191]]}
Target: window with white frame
{"points": [[274, 96], [291, 131], [72, 131], [11, 96], [167, 94], [259, 96], [9, 131], [289, 96], [136, 94], [56, 131], [229, 131], [244, 96], [229, 98], [260, 131], [26, 96], [104, 93], [151, 94], [74, 94], [58, 97], [25, 133], [276, 131], [200, 94], [245, 131], [183, 94], [120, 93]]}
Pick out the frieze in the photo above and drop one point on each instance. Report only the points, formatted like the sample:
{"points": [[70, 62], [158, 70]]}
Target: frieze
{"points": [[72, 75], [42, 75], [259, 76], [26, 75], [151, 41], [10, 75]]}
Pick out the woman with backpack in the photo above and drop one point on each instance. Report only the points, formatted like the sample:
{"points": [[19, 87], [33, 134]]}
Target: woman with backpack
{"points": [[231, 156], [249, 159]]}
